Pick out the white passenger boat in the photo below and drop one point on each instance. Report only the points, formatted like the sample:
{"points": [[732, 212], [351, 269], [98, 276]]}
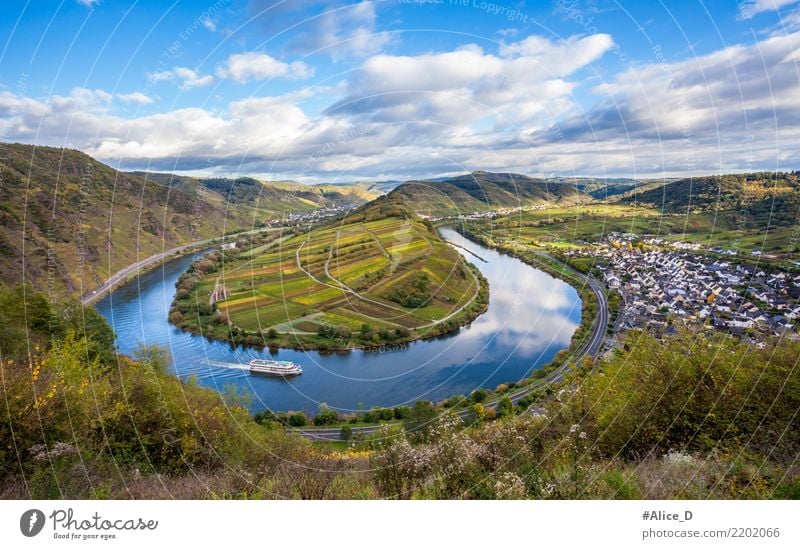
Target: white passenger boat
{"points": [[282, 368]]}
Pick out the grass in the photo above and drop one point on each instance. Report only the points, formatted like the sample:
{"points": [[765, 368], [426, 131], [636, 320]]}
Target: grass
{"points": [[565, 228], [343, 281]]}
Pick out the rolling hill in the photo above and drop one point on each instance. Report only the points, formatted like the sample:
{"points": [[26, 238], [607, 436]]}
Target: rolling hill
{"points": [[380, 275], [483, 191], [759, 199], [272, 196], [67, 221]]}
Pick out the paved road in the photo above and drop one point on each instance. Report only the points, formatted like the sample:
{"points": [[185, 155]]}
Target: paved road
{"points": [[591, 346], [121, 275]]}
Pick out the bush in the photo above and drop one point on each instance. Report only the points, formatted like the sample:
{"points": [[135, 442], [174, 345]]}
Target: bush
{"points": [[326, 416], [478, 395], [505, 407], [297, 419]]}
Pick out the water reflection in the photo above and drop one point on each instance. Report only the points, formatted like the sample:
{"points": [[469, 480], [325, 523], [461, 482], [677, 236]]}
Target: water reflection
{"points": [[531, 316]]}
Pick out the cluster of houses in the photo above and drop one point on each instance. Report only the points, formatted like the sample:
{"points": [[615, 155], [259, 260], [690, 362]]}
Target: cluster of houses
{"points": [[311, 216], [489, 214], [662, 284]]}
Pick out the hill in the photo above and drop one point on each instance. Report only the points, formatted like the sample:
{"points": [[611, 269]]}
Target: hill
{"points": [[275, 196], [759, 199], [379, 275], [67, 221], [484, 191]]}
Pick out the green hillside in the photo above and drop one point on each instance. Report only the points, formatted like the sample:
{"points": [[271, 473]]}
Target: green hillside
{"points": [[483, 191], [275, 196], [380, 275], [757, 199], [67, 221]]}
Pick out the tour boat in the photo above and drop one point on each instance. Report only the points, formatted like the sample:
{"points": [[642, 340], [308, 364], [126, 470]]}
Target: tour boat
{"points": [[280, 368]]}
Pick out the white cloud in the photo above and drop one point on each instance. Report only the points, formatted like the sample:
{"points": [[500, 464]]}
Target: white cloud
{"points": [[209, 24], [243, 67], [509, 110], [88, 3], [136, 97], [524, 83], [349, 31], [336, 28], [189, 78], [751, 8]]}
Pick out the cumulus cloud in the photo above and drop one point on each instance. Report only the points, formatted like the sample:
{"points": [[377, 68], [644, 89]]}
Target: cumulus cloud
{"points": [[136, 97], [736, 108], [243, 67], [510, 109], [337, 28], [469, 87], [751, 8], [188, 78]]}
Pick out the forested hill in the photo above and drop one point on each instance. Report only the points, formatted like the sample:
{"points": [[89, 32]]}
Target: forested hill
{"points": [[767, 198], [67, 221], [483, 191], [277, 196]]}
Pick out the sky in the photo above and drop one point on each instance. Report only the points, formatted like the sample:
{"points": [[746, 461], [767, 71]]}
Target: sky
{"points": [[338, 91]]}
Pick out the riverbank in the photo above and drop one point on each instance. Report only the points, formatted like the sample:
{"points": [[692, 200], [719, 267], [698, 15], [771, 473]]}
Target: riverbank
{"points": [[132, 271]]}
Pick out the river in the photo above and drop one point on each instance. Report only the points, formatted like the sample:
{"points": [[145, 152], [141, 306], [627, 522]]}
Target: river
{"points": [[531, 316]]}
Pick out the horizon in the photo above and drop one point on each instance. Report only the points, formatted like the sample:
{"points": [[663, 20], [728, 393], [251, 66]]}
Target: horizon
{"points": [[428, 178]]}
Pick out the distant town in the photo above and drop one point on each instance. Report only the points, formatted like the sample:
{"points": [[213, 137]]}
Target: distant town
{"points": [[665, 283]]}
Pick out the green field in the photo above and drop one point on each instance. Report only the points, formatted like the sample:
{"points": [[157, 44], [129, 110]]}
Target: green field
{"points": [[570, 227], [357, 282]]}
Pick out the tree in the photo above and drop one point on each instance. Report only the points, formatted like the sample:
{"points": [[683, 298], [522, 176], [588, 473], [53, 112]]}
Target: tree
{"points": [[272, 333], [505, 407], [297, 419], [420, 419], [478, 395], [326, 415], [346, 433]]}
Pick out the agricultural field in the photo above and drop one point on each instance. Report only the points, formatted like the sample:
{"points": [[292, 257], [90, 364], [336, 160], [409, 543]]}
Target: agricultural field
{"points": [[569, 227], [363, 281]]}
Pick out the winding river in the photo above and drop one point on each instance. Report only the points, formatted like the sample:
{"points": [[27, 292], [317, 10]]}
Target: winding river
{"points": [[531, 316]]}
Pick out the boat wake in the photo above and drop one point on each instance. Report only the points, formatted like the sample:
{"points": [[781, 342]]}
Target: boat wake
{"points": [[213, 369]]}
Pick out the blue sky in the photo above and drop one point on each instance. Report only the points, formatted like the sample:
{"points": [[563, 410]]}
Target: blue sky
{"points": [[327, 90]]}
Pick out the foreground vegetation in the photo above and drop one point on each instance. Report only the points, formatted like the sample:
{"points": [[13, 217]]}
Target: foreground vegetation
{"points": [[687, 417], [380, 275]]}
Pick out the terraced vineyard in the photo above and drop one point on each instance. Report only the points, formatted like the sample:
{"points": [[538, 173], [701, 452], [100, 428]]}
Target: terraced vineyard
{"points": [[368, 280]]}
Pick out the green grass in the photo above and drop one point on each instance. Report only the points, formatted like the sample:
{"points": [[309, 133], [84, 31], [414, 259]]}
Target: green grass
{"points": [[269, 290]]}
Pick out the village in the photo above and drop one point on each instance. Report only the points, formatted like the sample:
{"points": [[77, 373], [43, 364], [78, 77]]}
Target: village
{"points": [[664, 283]]}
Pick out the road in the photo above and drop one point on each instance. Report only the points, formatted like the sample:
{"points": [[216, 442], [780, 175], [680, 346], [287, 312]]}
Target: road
{"points": [[591, 346], [123, 274]]}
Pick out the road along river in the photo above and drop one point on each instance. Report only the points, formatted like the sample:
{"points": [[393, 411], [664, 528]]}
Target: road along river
{"points": [[531, 316]]}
